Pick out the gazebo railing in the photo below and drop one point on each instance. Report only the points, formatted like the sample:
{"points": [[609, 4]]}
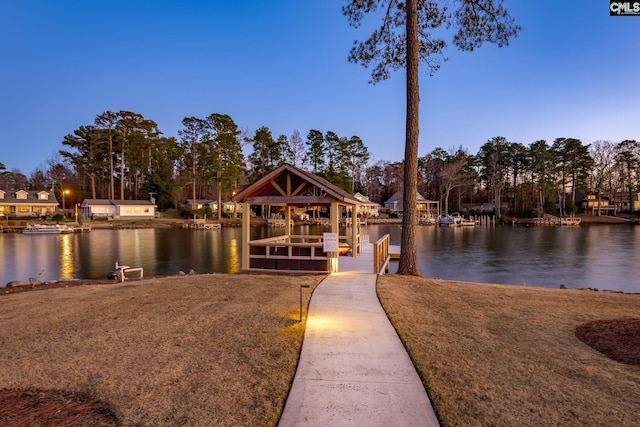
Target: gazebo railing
{"points": [[294, 252]]}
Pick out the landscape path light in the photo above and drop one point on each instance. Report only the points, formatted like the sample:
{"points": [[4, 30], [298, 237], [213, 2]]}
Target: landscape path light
{"points": [[301, 287]]}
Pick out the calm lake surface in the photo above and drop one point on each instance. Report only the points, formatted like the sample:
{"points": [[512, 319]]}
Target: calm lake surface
{"points": [[602, 256]]}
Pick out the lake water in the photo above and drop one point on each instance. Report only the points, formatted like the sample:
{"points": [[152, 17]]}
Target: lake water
{"points": [[602, 256]]}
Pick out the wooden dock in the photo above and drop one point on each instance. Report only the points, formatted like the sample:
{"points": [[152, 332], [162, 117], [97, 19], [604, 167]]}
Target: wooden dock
{"points": [[363, 263], [201, 224]]}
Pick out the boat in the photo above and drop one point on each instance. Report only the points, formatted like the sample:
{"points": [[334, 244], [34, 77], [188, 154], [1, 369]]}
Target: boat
{"points": [[47, 229], [468, 222], [454, 219]]}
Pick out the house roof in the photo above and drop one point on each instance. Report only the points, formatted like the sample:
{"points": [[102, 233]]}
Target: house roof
{"points": [[199, 201], [288, 185], [365, 200], [96, 202], [397, 197], [133, 202], [9, 197], [108, 202]]}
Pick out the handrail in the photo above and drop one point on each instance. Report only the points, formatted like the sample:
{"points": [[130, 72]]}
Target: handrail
{"points": [[381, 255]]}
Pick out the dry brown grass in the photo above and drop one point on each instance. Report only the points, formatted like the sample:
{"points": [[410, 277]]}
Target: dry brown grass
{"points": [[506, 355], [222, 350], [192, 350]]}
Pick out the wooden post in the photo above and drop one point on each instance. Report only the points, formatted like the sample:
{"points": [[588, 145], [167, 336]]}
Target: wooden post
{"points": [[287, 220], [335, 228], [246, 234], [355, 231]]}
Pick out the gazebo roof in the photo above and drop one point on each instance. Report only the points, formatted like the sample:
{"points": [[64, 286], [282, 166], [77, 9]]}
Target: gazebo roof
{"points": [[289, 185]]}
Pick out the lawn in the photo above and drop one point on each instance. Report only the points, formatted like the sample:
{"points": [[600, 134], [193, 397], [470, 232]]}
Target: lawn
{"points": [[193, 350], [222, 350], [508, 355]]}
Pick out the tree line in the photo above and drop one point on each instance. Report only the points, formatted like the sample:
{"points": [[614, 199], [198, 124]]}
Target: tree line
{"points": [[123, 155], [529, 179]]}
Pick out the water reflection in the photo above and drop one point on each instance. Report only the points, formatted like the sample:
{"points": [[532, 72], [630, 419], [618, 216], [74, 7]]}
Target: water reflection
{"points": [[234, 258], [66, 257]]}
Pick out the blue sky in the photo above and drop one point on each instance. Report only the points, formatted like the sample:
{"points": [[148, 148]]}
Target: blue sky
{"points": [[572, 72]]}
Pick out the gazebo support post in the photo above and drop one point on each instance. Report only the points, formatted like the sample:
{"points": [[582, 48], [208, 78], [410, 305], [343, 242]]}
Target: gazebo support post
{"points": [[335, 228], [355, 230], [246, 234], [287, 220]]}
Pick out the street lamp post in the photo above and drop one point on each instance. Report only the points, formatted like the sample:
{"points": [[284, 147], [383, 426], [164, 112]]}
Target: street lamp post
{"points": [[64, 193]]}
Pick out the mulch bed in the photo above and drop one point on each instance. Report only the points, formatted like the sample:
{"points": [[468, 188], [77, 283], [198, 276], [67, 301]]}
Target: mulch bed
{"points": [[618, 339], [59, 284], [53, 408]]}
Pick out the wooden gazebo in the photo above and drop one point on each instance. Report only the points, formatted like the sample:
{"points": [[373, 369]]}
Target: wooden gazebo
{"points": [[288, 186]]}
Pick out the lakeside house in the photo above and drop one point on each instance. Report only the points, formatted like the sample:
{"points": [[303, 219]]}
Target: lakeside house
{"points": [[199, 203], [118, 209], [425, 208], [367, 208], [27, 203], [621, 200], [229, 207], [590, 205]]}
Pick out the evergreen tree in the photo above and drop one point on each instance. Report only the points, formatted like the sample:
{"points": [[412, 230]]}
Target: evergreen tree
{"points": [[316, 152], [88, 155], [226, 154], [265, 154], [405, 39]]}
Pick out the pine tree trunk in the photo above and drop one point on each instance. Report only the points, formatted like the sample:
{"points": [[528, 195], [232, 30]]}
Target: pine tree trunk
{"points": [[122, 173], [408, 264], [112, 187]]}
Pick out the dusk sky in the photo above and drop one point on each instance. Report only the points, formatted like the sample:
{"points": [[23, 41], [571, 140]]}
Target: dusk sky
{"points": [[571, 72]]}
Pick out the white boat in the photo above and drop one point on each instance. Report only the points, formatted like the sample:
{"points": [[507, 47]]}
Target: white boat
{"points": [[468, 222], [454, 219], [47, 229]]}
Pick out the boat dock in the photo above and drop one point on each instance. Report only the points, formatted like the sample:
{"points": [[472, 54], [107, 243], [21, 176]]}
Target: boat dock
{"points": [[201, 224], [68, 228], [548, 219]]}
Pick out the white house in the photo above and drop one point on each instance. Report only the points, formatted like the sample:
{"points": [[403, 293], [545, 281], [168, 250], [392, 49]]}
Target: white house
{"points": [[27, 203], [424, 208], [367, 208], [199, 204], [118, 209]]}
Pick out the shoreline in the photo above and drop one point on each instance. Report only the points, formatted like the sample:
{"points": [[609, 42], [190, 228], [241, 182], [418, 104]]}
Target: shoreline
{"points": [[587, 220], [18, 287]]}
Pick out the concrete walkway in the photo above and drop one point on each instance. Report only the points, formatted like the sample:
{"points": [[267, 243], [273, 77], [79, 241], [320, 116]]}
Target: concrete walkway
{"points": [[353, 369]]}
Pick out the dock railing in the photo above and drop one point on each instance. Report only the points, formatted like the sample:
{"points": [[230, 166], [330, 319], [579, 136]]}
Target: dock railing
{"points": [[381, 256]]}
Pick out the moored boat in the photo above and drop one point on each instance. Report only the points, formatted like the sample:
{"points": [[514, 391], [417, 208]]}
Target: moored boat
{"points": [[47, 229], [453, 219]]}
